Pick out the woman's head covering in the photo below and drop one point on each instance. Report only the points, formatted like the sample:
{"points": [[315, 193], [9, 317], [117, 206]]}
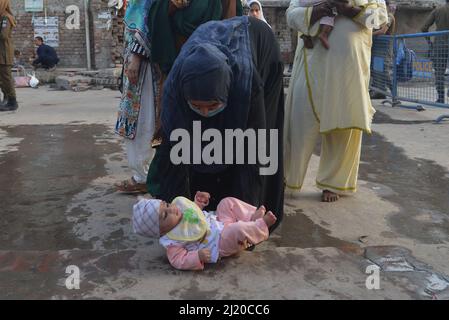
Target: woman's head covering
{"points": [[205, 74], [216, 63], [146, 217], [262, 17], [5, 11]]}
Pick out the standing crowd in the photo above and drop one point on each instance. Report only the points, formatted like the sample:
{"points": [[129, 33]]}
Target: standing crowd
{"points": [[193, 61], [190, 62]]}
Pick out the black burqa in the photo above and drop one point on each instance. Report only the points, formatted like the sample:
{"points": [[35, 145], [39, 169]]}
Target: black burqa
{"points": [[255, 101]]}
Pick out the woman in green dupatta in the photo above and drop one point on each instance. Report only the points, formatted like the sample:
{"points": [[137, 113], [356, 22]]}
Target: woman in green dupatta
{"points": [[155, 32], [170, 34], [184, 16]]}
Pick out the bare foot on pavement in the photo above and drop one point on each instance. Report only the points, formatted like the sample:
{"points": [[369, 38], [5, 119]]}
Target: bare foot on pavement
{"points": [[269, 219], [259, 213], [329, 196]]}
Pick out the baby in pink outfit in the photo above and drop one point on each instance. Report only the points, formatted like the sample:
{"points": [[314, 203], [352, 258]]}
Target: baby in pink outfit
{"points": [[193, 237]]}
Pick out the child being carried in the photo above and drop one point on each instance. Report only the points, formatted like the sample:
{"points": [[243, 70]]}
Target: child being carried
{"points": [[326, 23]]}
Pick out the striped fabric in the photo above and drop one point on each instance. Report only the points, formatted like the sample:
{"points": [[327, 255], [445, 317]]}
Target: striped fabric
{"points": [[140, 50], [146, 218]]}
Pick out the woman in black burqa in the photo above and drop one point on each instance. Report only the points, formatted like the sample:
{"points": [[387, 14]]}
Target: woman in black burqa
{"points": [[229, 75]]}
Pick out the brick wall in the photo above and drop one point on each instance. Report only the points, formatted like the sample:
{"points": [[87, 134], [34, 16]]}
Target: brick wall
{"points": [[72, 43], [106, 41], [107, 34], [410, 17], [275, 16], [274, 12], [118, 27]]}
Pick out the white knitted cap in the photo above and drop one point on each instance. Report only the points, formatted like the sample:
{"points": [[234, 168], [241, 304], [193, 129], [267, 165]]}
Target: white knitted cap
{"points": [[146, 217]]}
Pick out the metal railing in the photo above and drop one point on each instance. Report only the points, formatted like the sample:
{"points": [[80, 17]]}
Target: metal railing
{"points": [[412, 68]]}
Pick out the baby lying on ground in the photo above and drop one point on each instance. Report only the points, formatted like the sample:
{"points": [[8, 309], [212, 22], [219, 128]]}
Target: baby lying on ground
{"points": [[194, 237]]}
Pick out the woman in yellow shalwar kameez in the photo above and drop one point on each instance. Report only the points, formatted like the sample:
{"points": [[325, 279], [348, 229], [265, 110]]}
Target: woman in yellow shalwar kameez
{"points": [[329, 95]]}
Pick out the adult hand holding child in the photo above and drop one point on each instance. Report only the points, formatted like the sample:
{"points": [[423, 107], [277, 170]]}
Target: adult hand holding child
{"points": [[321, 10], [344, 8]]}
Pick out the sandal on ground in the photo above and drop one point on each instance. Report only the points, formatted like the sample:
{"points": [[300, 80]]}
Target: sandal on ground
{"points": [[131, 186]]}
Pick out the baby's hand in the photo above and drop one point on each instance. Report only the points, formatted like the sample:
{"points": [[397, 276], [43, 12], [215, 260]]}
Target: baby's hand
{"points": [[204, 255], [202, 199]]}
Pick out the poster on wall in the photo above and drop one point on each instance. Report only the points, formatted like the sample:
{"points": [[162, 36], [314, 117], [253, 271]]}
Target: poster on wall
{"points": [[34, 5], [104, 20], [48, 29]]}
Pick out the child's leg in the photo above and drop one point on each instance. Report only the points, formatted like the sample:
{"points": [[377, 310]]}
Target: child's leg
{"points": [[324, 35], [235, 235], [231, 210]]}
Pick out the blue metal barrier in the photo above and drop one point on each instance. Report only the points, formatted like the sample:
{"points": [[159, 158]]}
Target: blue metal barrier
{"points": [[411, 68]]}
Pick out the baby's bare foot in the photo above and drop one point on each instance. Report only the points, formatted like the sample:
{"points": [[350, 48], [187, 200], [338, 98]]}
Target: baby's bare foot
{"points": [[258, 214], [269, 219]]}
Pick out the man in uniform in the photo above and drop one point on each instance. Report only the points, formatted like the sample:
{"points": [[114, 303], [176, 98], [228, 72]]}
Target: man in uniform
{"points": [[7, 23], [440, 52]]}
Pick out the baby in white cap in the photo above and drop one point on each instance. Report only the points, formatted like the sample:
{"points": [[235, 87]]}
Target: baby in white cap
{"points": [[194, 237]]}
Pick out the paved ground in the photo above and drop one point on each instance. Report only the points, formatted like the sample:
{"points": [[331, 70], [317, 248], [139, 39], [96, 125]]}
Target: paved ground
{"points": [[59, 158]]}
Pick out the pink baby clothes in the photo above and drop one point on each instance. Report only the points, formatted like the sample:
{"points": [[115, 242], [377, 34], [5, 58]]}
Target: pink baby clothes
{"points": [[238, 227], [182, 259], [236, 216], [184, 255]]}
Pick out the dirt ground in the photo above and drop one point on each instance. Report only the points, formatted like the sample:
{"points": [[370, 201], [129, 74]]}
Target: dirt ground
{"points": [[59, 158]]}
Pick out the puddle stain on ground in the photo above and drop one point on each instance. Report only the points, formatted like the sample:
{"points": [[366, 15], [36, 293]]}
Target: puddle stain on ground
{"points": [[382, 118], [399, 265], [420, 189], [299, 231], [53, 163]]}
